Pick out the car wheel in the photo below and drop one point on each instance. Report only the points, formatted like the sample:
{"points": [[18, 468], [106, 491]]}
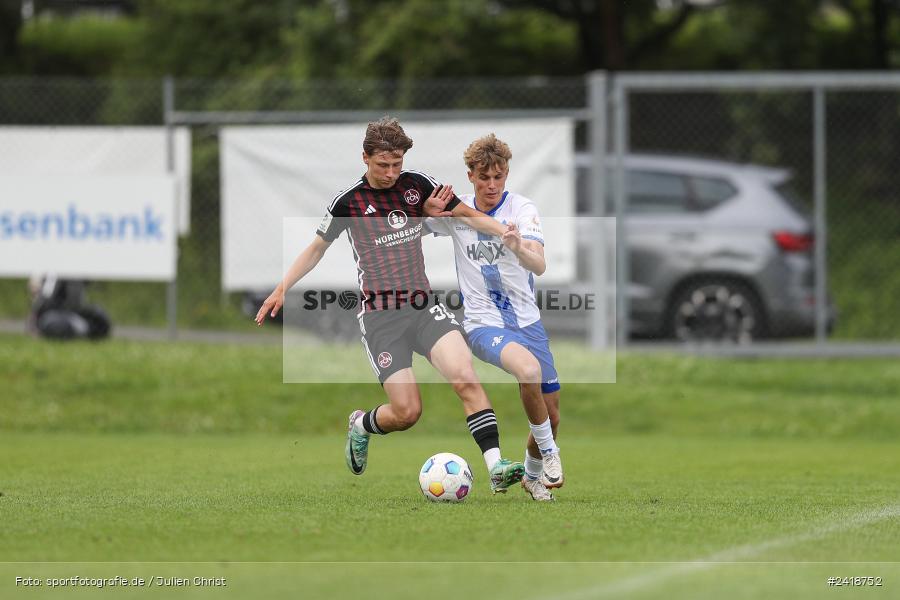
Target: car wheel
{"points": [[720, 311]]}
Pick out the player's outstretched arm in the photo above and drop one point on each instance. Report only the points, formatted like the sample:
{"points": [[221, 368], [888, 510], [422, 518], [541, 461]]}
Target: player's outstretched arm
{"points": [[303, 264], [478, 220], [435, 206], [529, 252]]}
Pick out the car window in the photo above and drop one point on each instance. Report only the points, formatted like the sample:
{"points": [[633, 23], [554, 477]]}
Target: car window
{"points": [[789, 193], [653, 192], [709, 192]]}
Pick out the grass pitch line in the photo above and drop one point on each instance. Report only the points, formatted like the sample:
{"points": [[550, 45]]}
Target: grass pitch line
{"points": [[731, 555]]}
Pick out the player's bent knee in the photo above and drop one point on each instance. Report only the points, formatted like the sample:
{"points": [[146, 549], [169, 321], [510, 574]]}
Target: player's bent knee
{"points": [[407, 416], [463, 375], [528, 371]]}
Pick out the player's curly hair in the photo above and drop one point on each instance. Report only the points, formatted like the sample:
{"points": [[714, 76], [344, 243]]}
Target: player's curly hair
{"points": [[386, 134], [487, 152]]}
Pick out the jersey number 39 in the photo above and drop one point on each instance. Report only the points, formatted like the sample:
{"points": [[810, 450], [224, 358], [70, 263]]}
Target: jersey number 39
{"points": [[440, 313]]}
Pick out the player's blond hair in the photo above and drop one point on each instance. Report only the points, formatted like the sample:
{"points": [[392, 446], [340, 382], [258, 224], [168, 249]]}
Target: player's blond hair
{"points": [[386, 134], [487, 152]]}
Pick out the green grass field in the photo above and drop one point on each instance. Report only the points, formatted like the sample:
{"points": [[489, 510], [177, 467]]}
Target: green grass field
{"points": [[689, 478]]}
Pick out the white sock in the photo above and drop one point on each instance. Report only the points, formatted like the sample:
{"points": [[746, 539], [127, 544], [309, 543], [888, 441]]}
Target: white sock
{"points": [[533, 466], [543, 435], [491, 457]]}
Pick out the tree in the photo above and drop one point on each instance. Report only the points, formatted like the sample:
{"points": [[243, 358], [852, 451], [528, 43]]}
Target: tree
{"points": [[613, 35], [10, 24], [427, 39], [409, 39], [730, 34], [208, 38]]}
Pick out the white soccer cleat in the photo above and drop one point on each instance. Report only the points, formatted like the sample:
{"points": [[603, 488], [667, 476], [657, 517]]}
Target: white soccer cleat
{"points": [[552, 476], [356, 451], [537, 490]]}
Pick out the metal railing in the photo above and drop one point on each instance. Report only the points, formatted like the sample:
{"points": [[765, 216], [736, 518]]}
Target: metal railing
{"points": [[838, 133]]}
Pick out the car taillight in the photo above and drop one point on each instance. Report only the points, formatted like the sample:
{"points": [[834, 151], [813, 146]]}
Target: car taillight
{"points": [[793, 242]]}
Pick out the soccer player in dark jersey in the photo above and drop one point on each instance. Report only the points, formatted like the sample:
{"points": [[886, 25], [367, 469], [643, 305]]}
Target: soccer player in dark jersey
{"points": [[383, 215]]}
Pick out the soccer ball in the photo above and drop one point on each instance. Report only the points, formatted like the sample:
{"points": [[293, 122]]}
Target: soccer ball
{"points": [[445, 477]]}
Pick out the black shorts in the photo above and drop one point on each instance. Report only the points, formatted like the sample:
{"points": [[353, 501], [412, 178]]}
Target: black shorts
{"points": [[391, 336]]}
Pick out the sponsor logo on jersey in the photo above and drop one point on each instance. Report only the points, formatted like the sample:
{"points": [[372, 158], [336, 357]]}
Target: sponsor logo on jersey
{"points": [[370, 209], [397, 219], [323, 226], [400, 237], [411, 196], [488, 252]]}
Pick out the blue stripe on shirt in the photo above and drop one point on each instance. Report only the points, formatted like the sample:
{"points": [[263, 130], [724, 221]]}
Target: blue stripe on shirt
{"points": [[494, 285]]}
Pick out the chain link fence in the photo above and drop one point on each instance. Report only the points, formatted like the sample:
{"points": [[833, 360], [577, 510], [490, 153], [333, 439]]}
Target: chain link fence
{"points": [[700, 264], [724, 235], [207, 106], [864, 212]]}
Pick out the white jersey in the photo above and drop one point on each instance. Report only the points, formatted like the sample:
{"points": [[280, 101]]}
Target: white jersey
{"points": [[497, 291]]}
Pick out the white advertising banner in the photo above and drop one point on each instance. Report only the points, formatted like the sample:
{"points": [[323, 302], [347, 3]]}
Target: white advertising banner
{"points": [[48, 152], [269, 174], [118, 228]]}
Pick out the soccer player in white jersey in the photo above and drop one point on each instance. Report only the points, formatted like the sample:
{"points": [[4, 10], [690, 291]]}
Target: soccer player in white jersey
{"points": [[502, 319]]}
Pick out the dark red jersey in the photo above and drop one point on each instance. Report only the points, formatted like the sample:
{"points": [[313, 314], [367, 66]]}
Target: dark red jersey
{"points": [[385, 231]]}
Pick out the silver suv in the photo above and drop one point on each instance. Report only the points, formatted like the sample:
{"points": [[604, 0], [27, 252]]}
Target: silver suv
{"points": [[717, 250]]}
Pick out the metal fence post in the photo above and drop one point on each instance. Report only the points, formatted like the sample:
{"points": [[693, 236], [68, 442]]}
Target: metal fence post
{"points": [[599, 324], [820, 222], [620, 99], [172, 288]]}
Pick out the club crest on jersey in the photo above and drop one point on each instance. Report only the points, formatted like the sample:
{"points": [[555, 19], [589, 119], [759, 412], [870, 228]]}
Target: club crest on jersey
{"points": [[397, 219], [488, 252], [385, 359], [411, 196]]}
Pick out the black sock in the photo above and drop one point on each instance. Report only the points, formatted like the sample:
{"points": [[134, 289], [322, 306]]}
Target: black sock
{"points": [[483, 426], [369, 423]]}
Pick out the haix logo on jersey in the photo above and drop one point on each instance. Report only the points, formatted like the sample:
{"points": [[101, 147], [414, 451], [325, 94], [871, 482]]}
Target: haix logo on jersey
{"points": [[488, 252], [411, 196]]}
